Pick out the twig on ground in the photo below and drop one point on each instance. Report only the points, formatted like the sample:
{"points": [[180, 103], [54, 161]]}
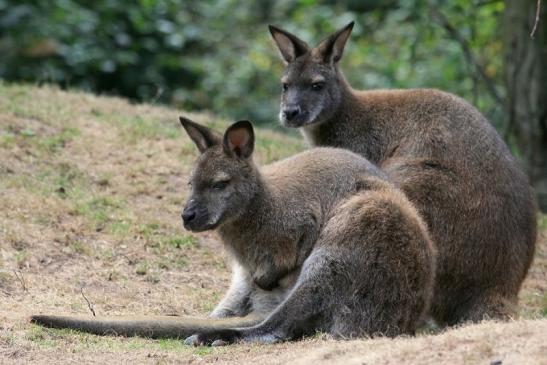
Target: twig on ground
{"points": [[538, 9], [19, 275], [89, 305]]}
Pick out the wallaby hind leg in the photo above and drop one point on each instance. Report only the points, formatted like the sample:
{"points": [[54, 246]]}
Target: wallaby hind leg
{"points": [[487, 305]]}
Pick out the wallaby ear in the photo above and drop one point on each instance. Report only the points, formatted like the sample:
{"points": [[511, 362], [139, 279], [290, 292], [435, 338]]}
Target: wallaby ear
{"points": [[239, 139], [202, 136], [332, 47], [290, 46]]}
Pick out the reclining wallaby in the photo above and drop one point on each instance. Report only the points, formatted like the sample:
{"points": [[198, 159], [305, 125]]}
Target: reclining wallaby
{"points": [[319, 241], [443, 154]]}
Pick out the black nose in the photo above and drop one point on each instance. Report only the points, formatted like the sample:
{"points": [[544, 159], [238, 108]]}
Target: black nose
{"points": [[291, 112], [188, 215]]}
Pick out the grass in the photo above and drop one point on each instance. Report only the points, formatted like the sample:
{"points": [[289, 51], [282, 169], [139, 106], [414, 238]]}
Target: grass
{"points": [[91, 190]]}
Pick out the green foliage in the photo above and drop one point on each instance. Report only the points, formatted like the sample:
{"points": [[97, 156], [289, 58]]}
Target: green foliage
{"points": [[217, 55]]}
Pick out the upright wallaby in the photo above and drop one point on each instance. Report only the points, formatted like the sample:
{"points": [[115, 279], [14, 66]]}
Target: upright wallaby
{"points": [[319, 241], [445, 157]]}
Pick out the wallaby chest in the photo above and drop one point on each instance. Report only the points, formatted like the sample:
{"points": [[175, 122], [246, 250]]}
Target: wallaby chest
{"points": [[270, 246]]}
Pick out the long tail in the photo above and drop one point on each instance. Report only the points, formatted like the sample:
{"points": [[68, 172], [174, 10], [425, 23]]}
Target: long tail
{"points": [[149, 327]]}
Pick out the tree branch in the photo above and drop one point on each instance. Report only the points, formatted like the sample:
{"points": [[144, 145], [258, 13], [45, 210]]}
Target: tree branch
{"points": [[538, 9], [442, 20]]}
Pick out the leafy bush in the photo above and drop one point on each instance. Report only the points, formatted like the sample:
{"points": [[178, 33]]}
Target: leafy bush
{"points": [[218, 55]]}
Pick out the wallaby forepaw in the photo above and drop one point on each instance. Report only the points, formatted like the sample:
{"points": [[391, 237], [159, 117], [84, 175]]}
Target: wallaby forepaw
{"points": [[191, 341], [219, 343], [214, 338]]}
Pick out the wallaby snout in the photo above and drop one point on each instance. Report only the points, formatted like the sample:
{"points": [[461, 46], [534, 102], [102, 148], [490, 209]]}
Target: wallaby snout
{"points": [[290, 113], [195, 217]]}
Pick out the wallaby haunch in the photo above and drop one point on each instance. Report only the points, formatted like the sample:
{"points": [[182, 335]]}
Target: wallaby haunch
{"points": [[443, 154], [319, 241]]}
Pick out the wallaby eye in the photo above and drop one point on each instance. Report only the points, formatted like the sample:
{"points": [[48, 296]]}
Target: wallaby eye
{"points": [[285, 86], [219, 185], [317, 86]]}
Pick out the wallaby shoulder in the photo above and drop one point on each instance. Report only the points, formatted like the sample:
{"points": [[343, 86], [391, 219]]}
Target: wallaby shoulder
{"points": [[296, 197], [318, 164]]}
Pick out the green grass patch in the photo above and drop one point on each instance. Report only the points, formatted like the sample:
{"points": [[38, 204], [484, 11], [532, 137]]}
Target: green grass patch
{"points": [[40, 144], [43, 337], [7, 139], [100, 209], [162, 238], [136, 128], [80, 247], [179, 242], [21, 257], [57, 141], [542, 222], [277, 149], [142, 268], [543, 311]]}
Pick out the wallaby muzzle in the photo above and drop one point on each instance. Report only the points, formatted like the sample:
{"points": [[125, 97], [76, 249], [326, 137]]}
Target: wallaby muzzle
{"points": [[195, 217]]}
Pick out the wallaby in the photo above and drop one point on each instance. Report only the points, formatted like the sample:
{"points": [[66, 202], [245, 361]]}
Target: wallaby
{"points": [[443, 154], [319, 241]]}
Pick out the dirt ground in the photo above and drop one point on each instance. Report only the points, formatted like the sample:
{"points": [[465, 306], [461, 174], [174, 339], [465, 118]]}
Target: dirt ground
{"points": [[91, 190]]}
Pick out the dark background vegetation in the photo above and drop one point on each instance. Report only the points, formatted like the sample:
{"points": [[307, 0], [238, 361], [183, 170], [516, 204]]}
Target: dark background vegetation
{"points": [[218, 56]]}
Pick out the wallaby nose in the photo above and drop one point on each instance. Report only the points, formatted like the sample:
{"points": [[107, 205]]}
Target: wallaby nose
{"points": [[290, 113], [188, 215]]}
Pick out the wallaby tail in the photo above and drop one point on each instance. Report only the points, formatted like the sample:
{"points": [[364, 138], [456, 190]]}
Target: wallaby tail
{"points": [[149, 327]]}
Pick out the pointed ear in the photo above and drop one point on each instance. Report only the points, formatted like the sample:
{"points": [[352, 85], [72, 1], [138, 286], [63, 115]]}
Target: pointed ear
{"points": [[202, 136], [332, 48], [290, 46], [239, 139]]}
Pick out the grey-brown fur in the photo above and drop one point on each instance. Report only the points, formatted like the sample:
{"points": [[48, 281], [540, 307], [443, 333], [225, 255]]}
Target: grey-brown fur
{"points": [[320, 241], [443, 154]]}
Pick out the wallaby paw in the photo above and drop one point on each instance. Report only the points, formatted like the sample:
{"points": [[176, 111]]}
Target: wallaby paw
{"points": [[213, 338], [219, 343], [191, 341]]}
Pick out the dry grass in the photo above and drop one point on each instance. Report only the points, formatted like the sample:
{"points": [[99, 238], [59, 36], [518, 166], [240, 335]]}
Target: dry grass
{"points": [[90, 195]]}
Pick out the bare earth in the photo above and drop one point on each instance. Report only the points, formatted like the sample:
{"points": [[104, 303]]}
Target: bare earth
{"points": [[91, 190]]}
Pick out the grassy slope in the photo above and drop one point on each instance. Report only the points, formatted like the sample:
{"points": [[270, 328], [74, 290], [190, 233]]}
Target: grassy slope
{"points": [[90, 194]]}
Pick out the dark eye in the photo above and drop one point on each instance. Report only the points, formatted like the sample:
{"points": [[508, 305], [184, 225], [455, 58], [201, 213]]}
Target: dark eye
{"points": [[317, 86], [219, 185], [285, 86]]}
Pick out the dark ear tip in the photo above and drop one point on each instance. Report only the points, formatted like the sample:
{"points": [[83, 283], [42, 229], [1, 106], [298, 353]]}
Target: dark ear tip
{"points": [[184, 121], [273, 29], [242, 124], [350, 25]]}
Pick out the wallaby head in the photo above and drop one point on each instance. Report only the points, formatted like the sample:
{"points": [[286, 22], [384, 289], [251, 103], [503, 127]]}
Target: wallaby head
{"points": [[312, 85], [224, 179]]}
